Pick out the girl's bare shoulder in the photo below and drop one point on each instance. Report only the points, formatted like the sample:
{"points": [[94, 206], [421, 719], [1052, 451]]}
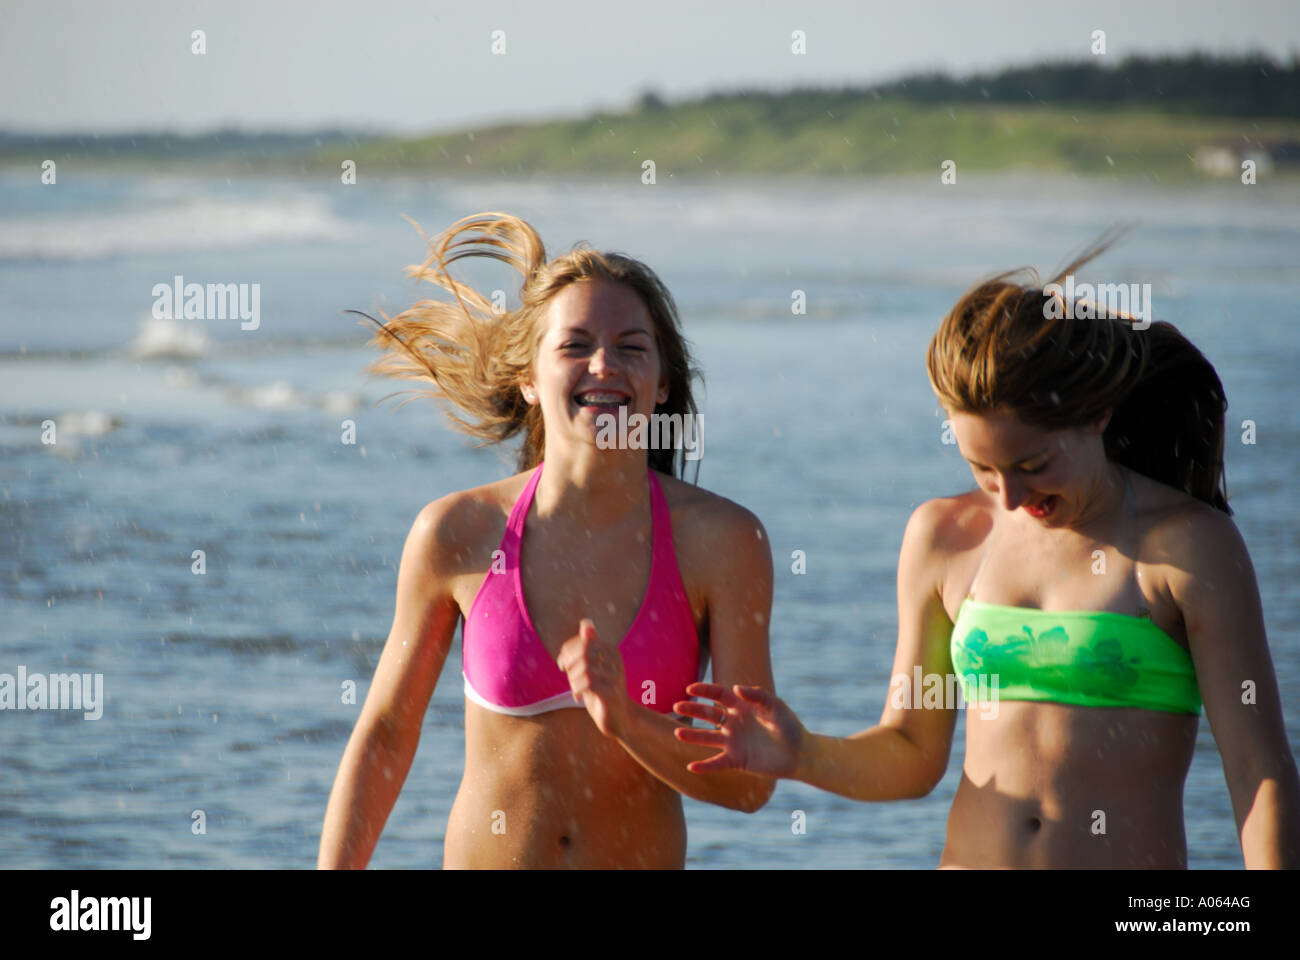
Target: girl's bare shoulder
{"points": [[953, 525], [1176, 527], [699, 515], [722, 548], [464, 526]]}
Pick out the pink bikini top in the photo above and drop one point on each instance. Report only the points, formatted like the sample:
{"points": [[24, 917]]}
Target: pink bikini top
{"points": [[508, 670]]}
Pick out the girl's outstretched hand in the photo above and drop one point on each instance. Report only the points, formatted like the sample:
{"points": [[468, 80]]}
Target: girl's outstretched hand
{"points": [[755, 732]]}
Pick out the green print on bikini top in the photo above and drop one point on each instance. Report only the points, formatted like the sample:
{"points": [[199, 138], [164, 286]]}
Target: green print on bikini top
{"points": [[1090, 659]]}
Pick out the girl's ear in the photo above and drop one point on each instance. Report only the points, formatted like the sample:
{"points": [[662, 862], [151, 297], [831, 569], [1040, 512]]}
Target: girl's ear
{"points": [[1101, 423], [529, 391]]}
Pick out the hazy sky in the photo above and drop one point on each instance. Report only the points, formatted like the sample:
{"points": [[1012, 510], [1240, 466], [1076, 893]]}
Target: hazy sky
{"points": [[414, 66]]}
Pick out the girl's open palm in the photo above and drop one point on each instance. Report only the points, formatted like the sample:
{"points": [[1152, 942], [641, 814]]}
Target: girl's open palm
{"points": [[755, 732]]}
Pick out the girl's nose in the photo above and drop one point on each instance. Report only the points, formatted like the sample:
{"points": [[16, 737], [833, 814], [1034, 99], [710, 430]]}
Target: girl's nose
{"points": [[1013, 493], [600, 361]]}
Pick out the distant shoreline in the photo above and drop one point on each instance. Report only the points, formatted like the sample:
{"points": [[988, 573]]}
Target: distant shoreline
{"points": [[1168, 119], [698, 142]]}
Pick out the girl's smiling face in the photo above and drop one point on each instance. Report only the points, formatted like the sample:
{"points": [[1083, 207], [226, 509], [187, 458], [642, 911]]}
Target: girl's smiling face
{"points": [[597, 352], [1052, 475]]}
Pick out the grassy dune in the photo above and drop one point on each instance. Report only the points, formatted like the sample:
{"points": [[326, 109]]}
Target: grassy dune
{"points": [[811, 133], [740, 135]]}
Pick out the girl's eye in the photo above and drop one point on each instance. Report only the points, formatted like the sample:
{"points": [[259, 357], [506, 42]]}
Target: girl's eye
{"points": [[1038, 469], [579, 345]]}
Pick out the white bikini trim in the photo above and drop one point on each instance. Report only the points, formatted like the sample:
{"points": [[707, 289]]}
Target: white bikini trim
{"points": [[557, 702]]}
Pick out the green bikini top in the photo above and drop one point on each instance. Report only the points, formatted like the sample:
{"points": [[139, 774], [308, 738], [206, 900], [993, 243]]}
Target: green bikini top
{"points": [[1083, 658]]}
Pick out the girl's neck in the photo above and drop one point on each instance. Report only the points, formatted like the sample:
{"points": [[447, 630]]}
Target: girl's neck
{"points": [[596, 489]]}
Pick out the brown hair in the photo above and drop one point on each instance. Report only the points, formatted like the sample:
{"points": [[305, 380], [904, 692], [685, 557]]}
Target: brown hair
{"points": [[476, 356], [1003, 348]]}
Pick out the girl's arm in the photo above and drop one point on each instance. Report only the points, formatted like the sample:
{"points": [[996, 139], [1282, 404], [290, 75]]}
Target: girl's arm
{"points": [[1213, 584], [738, 590], [383, 743], [906, 753]]}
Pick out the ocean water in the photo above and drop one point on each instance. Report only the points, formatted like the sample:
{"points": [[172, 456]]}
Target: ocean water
{"points": [[222, 691]]}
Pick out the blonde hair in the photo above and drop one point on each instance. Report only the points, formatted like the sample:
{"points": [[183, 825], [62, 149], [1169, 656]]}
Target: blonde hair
{"points": [[476, 357]]}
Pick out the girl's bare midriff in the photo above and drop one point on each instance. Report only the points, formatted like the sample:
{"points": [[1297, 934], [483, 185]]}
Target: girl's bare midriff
{"points": [[552, 791], [1052, 785]]}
